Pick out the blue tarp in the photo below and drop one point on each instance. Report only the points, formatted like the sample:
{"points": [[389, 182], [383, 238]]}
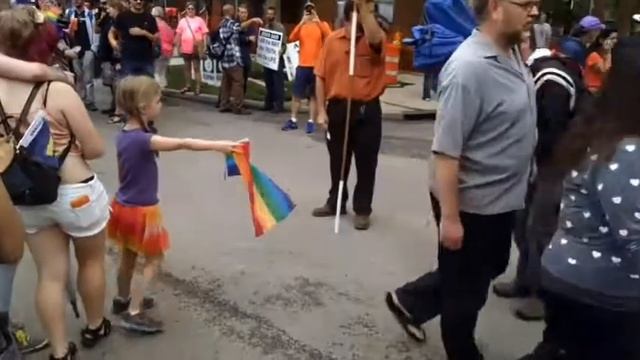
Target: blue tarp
{"points": [[448, 23]]}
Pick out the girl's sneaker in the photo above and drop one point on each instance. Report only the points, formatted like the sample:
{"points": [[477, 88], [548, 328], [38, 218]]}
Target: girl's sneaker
{"points": [[119, 305], [142, 322]]}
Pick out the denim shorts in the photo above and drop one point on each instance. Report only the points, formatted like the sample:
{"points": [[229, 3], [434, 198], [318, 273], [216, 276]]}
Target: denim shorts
{"points": [[304, 85], [81, 210]]}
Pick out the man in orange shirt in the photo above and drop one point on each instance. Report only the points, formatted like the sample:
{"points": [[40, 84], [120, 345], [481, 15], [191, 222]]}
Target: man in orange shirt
{"points": [[334, 87], [311, 33]]}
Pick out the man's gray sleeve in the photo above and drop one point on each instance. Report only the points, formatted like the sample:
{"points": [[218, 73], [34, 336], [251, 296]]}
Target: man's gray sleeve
{"points": [[458, 111]]}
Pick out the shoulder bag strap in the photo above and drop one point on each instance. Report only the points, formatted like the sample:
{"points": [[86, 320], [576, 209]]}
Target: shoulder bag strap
{"points": [[25, 110], [4, 119], [72, 137], [226, 42], [190, 29]]}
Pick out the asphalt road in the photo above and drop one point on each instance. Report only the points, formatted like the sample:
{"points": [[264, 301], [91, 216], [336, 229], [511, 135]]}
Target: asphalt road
{"points": [[300, 292]]}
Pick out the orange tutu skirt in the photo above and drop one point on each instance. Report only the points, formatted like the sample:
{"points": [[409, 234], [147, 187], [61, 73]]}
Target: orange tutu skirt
{"points": [[138, 228]]}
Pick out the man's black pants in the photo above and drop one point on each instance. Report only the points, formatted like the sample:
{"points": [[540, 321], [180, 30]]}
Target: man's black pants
{"points": [[458, 289], [365, 135], [536, 224], [274, 81]]}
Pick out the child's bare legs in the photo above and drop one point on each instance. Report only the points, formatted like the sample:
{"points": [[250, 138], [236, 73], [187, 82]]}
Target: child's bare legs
{"points": [[136, 318], [149, 274], [50, 251], [90, 253], [125, 273]]}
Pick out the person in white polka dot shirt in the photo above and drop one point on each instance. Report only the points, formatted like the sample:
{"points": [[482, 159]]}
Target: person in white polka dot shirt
{"points": [[591, 269]]}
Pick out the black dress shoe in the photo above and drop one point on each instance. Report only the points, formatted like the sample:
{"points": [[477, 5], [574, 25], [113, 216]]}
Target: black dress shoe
{"points": [[362, 222], [327, 211], [510, 290], [415, 331]]}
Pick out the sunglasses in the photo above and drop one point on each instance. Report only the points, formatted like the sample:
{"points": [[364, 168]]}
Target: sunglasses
{"points": [[527, 6]]}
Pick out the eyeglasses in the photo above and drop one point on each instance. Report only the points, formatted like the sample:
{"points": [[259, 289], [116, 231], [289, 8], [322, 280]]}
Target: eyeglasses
{"points": [[191, 9], [526, 6]]}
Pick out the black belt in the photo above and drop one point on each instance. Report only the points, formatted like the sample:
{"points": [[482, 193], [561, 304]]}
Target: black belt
{"points": [[354, 101], [88, 180]]}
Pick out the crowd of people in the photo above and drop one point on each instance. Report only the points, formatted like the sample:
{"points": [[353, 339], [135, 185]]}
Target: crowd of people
{"points": [[534, 143]]}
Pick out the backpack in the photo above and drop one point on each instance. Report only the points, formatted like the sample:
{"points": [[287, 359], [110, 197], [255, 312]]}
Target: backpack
{"points": [[447, 24], [31, 173], [566, 73], [217, 45]]}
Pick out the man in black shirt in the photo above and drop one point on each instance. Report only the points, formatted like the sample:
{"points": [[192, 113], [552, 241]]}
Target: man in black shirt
{"points": [[138, 32]]}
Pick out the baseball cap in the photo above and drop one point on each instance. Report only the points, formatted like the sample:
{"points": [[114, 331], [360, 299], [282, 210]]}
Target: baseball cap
{"points": [[636, 18], [591, 23], [18, 3]]}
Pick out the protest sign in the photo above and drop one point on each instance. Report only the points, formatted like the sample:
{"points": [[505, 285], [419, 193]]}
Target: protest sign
{"points": [[269, 48], [291, 59], [211, 73]]}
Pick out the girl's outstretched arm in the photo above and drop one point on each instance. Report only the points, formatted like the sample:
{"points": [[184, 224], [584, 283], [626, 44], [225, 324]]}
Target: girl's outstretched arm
{"points": [[29, 71], [161, 143]]}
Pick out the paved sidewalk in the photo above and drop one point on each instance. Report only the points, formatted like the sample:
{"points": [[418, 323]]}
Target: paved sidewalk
{"points": [[407, 100], [403, 102]]}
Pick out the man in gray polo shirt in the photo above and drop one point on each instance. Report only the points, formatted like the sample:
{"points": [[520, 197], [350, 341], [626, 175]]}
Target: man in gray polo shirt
{"points": [[485, 135]]}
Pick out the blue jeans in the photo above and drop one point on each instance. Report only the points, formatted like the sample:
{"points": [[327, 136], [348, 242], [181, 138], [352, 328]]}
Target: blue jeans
{"points": [[137, 68], [274, 81]]}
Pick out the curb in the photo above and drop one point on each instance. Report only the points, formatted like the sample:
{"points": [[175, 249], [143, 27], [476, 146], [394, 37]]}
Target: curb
{"points": [[412, 115]]}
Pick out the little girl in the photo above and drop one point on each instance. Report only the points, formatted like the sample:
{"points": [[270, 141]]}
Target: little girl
{"points": [[136, 219]]}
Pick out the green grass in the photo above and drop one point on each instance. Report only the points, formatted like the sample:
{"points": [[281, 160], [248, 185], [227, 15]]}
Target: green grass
{"points": [[175, 79]]}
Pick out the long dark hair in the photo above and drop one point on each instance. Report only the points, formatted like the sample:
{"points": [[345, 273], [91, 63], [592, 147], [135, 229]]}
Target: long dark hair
{"points": [[612, 115]]}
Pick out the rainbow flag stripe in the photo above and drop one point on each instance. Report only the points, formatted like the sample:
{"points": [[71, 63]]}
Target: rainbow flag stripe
{"points": [[269, 203]]}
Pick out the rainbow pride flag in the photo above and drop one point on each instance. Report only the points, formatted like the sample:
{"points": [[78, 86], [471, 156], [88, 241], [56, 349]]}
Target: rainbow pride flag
{"points": [[269, 203]]}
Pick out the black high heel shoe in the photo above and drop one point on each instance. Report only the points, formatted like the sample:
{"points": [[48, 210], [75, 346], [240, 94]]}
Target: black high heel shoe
{"points": [[91, 337], [72, 350]]}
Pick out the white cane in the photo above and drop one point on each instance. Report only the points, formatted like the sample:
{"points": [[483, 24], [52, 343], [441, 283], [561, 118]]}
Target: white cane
{"points": [[352, 65]]}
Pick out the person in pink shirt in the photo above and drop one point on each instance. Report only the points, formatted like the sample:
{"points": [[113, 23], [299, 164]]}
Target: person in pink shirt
{"points": [[166, 40], [191, 36]]}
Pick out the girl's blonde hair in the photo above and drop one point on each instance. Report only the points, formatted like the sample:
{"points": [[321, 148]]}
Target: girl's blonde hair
{"points": [[135, 93]]}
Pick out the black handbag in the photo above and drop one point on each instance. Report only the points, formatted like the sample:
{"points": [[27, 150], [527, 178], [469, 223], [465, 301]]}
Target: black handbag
{"points": [[29, 182]]}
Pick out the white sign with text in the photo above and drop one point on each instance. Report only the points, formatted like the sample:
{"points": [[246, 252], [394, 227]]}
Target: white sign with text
{"points": [[292, 59], [269, 48]]}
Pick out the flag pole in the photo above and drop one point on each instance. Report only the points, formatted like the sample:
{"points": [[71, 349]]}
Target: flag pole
{"points": [[345, 141]]}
